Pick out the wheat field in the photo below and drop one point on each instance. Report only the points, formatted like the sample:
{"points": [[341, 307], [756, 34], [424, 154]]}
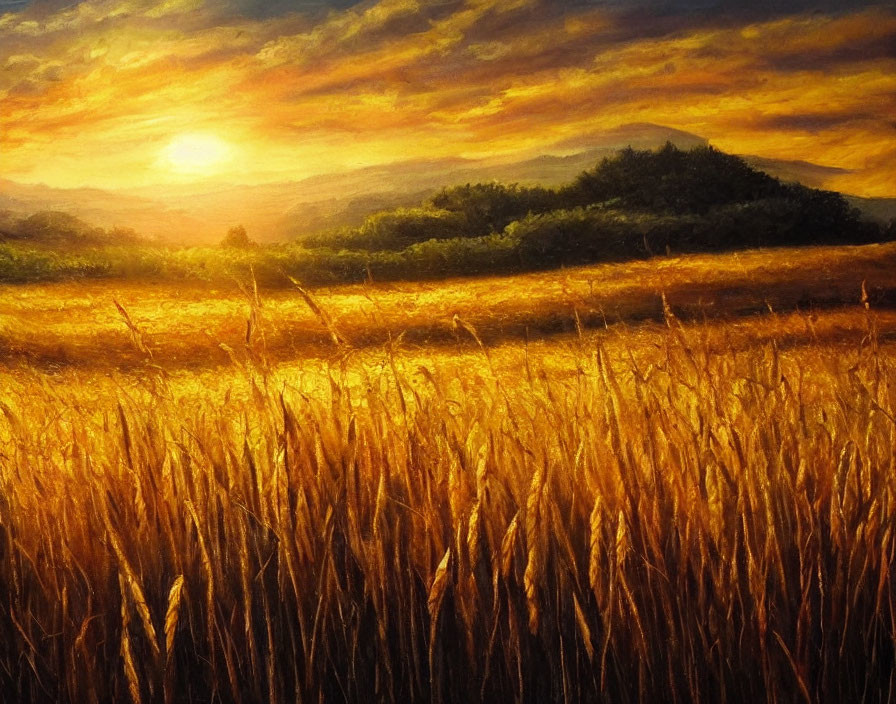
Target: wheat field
{"points": [[671, 511]]}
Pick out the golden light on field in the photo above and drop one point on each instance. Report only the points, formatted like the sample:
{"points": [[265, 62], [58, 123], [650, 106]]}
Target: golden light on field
{"points": [[197, 154], [438, 494]]}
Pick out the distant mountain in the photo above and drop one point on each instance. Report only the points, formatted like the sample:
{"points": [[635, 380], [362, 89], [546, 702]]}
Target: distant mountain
{"points": [[292, 209], [102, 208], [637, 135], [272, 211], [879, 209], [306, 218], [635, 204], [816, 176], [804, 172]]}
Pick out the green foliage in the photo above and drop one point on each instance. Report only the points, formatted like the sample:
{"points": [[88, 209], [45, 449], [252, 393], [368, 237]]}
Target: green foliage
{"points": [[395, 230], [237, 238], [633, 205], [671, 181], [20, 264], [469, 211], [577, 235], [490, 207], [55, 228]]}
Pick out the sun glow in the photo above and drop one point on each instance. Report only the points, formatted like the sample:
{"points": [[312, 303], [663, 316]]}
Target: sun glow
{"points": [[196, 153]]}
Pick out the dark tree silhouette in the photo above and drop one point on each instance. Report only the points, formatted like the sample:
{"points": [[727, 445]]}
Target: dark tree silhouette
{"points": [[237, 238]]}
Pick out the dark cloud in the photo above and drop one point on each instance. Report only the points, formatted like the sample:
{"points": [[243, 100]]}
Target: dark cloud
{"points": [[38, 7], [435, 77], [264, 9], [812, 122], [255, 9], [697, 10], [757, 7], [857, 50]]}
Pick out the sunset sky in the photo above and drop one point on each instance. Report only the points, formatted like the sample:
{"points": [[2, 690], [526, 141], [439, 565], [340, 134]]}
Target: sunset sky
{"points": [[129, 93]]}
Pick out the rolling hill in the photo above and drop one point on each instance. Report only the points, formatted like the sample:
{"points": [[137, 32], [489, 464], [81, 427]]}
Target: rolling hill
{"points": [[287, 210]]}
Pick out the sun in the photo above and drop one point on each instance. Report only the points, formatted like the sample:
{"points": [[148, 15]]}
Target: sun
{"points": [[196, 153]]}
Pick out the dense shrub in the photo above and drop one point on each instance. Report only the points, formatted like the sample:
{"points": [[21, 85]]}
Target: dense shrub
{"points": [[395, 230], [20, 264], [577, 235], [490, 207], [636, 204], [671, 181], [237, 238], [53, 228]]}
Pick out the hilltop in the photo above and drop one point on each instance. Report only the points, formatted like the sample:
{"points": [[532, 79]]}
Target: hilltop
{"points": [[634, 204], [344, 195]]}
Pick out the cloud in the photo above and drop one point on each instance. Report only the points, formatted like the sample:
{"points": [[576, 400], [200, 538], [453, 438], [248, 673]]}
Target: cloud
{"points": [[252, 9], [331, 85], [814, 122]]}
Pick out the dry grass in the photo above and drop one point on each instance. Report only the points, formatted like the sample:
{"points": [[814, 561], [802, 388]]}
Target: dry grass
{"points": [[682, 513], [671, 512], [64, 324]]}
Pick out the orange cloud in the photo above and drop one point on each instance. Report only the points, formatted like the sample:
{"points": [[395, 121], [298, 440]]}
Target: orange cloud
{"points": [[93, 93]]}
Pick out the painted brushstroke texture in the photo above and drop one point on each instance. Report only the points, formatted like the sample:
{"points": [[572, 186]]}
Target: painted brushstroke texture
{"points": [[92, 93]]}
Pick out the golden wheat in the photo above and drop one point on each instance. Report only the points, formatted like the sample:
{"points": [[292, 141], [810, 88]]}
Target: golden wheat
{"points": [[663, 515]]}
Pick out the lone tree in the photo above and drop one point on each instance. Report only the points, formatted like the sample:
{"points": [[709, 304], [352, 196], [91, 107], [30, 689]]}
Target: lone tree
{"points": [[236, 237]]}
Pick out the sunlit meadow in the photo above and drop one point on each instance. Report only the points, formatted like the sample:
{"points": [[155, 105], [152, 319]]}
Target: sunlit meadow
{"points": [[251, 495]]}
